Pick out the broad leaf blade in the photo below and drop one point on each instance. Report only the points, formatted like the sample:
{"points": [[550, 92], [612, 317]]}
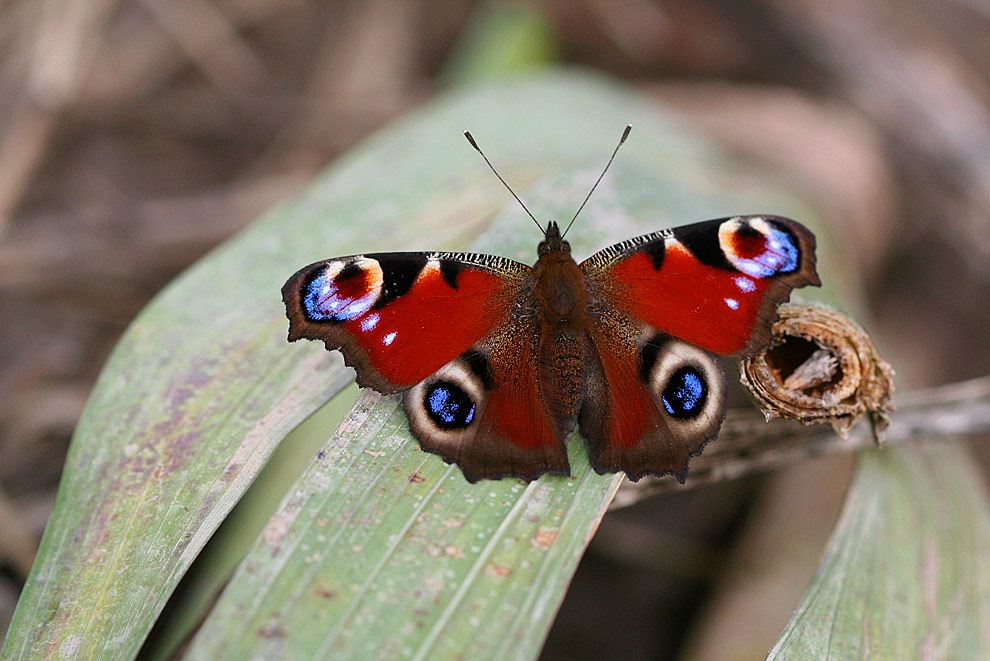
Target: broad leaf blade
{"points": [[174, 432], [369, 560], [906, 574]]}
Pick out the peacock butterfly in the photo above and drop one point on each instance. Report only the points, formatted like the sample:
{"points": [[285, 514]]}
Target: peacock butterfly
{"points": [[498, 362]]}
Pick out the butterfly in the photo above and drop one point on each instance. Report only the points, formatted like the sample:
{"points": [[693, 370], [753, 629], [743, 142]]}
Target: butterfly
{"points": [[498, 362]]}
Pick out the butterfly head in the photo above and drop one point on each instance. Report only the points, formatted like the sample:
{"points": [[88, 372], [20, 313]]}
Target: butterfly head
{"points": [[553, 241]]}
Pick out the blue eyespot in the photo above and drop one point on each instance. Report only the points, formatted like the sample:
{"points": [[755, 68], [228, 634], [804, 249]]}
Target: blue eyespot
{"points": [[779, 254], [786, 256], [448, 406], [343, 297], [314, 300], [685, 394]]}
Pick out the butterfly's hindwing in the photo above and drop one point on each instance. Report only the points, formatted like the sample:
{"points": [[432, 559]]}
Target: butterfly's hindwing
{"points": [[485, 410], [652, 401]]}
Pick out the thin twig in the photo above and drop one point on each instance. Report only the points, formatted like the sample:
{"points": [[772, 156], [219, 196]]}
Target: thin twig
{"points": [[747, 443]]}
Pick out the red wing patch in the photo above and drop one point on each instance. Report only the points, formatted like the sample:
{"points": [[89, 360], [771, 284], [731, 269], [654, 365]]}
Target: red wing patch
{"points": [[713, 309], [399, 317], [715, 284]]}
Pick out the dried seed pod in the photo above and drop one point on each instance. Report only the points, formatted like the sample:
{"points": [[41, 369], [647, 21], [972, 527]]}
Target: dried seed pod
{"points": [[820, 367]]}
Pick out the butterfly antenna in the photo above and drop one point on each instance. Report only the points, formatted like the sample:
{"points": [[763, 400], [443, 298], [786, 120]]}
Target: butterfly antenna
{"points": [[470, 138], [625, 134]]}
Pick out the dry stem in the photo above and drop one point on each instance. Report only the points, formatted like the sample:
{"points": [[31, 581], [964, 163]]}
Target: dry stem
{"points": [[747, 443]]}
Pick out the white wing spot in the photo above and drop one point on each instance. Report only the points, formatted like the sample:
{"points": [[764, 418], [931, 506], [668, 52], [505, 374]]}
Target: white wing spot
{"points": [[745, 284]]}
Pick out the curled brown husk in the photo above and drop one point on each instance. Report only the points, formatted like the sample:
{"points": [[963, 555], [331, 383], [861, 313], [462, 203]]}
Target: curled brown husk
{"points": [[820, 367]]}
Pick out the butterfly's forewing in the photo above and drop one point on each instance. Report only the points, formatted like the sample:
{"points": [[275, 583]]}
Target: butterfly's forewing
{"points": [[715, 284], [399, 317], [655, 395]]}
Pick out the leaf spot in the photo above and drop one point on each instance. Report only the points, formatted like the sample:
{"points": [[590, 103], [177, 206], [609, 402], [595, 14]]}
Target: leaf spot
{"points": [[545, 537]]}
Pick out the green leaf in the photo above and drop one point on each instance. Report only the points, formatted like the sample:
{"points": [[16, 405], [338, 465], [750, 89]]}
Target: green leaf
{"points": [[381, 550], [211, 570], [906, 574]]}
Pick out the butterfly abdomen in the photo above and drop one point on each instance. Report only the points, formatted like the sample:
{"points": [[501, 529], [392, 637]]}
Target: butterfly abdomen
{"points": [[562, 364]]}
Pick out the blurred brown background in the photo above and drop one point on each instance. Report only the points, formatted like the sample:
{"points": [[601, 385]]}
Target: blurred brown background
{"points": [[137, 134]]}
